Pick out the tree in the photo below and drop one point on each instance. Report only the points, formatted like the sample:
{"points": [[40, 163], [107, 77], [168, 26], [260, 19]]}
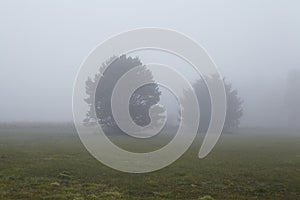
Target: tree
{"points": [[140, 102], [234, 110]]}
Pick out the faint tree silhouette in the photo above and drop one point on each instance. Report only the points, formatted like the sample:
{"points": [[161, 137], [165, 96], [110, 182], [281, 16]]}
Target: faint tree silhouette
{"points": [[292, 98], [234, 105], [234, 108]]}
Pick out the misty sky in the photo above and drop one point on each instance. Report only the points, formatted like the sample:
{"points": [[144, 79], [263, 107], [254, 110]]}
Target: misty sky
{"points": [[43, 43]]}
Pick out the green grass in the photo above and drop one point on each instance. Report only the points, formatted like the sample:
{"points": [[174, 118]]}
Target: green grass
{"points": [[51, 163]]}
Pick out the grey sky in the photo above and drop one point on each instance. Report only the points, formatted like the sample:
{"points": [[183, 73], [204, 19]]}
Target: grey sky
{"points": [[254, 43]]}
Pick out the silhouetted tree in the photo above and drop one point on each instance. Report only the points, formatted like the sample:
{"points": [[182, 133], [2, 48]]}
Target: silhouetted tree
{"points": [[234, 105], [140, 102], [234, 110]]}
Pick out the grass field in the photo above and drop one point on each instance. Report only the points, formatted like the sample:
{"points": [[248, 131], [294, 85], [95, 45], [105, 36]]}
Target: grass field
{"points": [[51, 163]]}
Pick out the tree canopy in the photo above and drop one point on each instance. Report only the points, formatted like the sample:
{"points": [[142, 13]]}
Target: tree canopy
{"points": [[101, 86], [140, 102]]}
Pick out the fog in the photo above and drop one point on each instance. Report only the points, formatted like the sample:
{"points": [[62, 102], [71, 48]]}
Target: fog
{"points": [[255, 45]]}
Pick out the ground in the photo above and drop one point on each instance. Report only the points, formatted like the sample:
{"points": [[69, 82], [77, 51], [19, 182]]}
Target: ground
{"points": [[51, 163]]}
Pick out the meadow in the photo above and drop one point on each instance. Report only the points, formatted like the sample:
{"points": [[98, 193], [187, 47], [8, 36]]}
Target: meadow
{"points": [[50, 162]]}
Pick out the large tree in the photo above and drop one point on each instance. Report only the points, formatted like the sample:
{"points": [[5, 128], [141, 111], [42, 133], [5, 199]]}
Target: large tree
{"points": [[140, 102]]}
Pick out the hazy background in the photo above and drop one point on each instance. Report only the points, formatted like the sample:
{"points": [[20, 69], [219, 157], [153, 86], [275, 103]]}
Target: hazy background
{"points": [[42, 44]]}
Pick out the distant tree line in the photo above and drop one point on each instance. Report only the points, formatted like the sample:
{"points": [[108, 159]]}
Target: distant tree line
{"points": [[292, 99]]}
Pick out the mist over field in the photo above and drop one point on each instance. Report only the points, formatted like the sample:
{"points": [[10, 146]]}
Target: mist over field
{"points": [[255, 45]]}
